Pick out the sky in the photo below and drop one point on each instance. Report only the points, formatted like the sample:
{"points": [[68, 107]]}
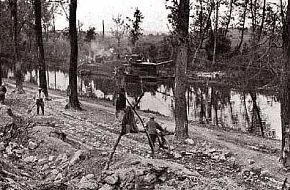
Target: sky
{"points": [[92, 12]]}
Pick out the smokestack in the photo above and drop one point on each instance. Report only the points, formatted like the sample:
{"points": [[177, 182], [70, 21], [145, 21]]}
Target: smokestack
{"points": [[103, 23]]}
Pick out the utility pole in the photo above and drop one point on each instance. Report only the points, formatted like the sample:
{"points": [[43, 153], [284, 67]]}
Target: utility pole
{"points": [[103, 24]]}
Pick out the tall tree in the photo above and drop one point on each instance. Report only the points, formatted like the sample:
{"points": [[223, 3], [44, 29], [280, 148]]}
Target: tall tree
{"points": [[229, 17], [73, 93], [0, 71], [182, 26], [118, 31], [1, 38], [262, 20], [18, 70], [135, 28], [204, 24], [40, 49], [242, 23], [285, 94], [215, 31]]}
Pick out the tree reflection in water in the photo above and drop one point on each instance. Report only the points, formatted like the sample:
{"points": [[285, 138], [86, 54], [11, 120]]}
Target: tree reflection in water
{"points": [[207, 103]]}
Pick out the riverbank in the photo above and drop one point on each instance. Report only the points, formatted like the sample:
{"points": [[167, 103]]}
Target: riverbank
{"points": [[220, 159]]}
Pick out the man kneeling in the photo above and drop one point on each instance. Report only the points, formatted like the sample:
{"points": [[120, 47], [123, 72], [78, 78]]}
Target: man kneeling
{"points": [[152, 127]]}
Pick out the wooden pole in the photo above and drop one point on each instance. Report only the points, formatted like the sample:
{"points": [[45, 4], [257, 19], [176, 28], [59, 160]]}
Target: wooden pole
{"points": [[103, 25], [120, 136], [147, 134], [113, 152], [284, 186]]}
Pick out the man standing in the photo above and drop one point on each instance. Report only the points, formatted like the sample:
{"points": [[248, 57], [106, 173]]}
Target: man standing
{"points": [[3, 91], [120, 102], [152, 127], [39, 97]]}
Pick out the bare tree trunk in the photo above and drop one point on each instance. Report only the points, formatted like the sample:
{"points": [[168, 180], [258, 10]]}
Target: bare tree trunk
{"points": [[256, 112], [246, 110], [284, 27], [215, 33], [1, 72], [209, 104], [181, 120], [1, 38], [202, 108], [231, 109], [243, 27], [73, 91], [285, 94], [188, 100], [229, 18], [215, 105], [202, 34], [40, 52], [263, 20], [18, 70]]}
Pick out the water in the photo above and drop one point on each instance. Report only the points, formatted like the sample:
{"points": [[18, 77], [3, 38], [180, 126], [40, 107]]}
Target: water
{"points": [[234, 109]]}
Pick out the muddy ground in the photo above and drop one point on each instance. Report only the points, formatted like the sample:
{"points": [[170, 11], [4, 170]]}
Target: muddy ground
{"points": [[66, 149]]}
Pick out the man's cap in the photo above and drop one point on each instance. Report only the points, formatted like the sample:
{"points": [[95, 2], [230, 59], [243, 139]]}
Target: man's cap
{"points": [[152, 117]]}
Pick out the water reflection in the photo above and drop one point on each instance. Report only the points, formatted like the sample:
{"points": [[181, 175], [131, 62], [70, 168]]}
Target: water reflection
{"points": [[221, 105]]}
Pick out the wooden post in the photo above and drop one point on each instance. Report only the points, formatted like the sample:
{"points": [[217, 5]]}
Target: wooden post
{"points": [[284, 186], [113, 152], [103, 24], [146, 132], [120, 136], [55, 79]]}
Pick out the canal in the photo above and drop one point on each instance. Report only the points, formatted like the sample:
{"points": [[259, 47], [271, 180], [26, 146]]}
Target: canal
{"points": [[216, 104]]}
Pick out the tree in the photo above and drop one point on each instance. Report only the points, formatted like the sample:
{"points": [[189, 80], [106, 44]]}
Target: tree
{"points": [[73, 93], [40, 49], [242, 24], [1, 38], [202, 26], [118, 31], [135, 28], [220, 42], [91, 34], [285, 94], [217, 4], [229, 16], [179, 19], [18, 70], [0, 72]]}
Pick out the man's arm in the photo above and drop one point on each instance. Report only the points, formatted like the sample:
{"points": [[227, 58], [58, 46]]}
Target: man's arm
{"points": [[159, 127]]}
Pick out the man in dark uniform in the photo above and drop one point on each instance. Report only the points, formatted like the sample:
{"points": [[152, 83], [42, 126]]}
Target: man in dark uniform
{"points": [[39, 97], [120, 102], [3, 91]]}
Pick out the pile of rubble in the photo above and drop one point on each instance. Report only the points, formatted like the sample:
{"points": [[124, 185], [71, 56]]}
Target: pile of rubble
{"points": [[41, 156], [13, 143], [13, 134], [144, 173]]}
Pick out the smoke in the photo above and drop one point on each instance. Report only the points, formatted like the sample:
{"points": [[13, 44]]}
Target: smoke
{"points": [[98, 49]]}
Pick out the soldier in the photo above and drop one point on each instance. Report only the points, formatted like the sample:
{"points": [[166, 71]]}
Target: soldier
{"points": [[120, 102], [3, 91], [152, 127], [39, 97]]}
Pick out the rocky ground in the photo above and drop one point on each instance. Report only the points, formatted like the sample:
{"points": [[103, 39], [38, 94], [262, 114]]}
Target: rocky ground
{"points": [[66, 149]]}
